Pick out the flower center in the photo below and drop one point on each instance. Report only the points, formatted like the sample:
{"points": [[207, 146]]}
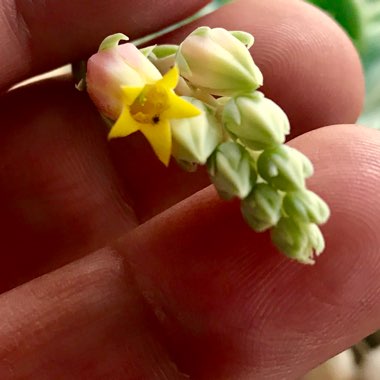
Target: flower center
{"points": [[150, 104]]}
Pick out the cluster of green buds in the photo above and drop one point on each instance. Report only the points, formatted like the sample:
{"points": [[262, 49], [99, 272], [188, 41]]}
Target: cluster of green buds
{"points": [[212, 114]]}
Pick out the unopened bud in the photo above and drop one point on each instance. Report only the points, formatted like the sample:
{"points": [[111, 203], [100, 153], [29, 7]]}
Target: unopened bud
{"points": [[283, 168], [316, 239], [306, 206], [217, 61], [231, 170], [262, 208], [195, 138], [162, 56], [307, 166], [258, 122], [298, 241]]}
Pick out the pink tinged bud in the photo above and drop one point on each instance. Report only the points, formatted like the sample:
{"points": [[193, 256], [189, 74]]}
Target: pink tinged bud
{"points": [[108, 70], [219, 62]]}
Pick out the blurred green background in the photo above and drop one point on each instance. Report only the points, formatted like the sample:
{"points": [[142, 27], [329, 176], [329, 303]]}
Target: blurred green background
{"points": [[361, 20]]}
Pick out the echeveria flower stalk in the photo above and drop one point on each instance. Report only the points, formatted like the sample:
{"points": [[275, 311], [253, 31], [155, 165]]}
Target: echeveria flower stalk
{"points": [[198, 102], [217, 61]]}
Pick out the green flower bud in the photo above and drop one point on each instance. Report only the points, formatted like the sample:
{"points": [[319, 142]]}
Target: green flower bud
{"points": [[283, 167], [216, 60], [298, 241], [316, 239], [306, 206], [258, 122], [163, 51], [162, 56], [246, 38], [230, 169], [195, 138], [307, 166], [262, 208]]}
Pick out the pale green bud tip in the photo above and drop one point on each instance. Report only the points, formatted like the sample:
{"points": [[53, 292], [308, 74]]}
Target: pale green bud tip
{"points": [[195, 138], [298, 241], [283, 167], [307, 166], [219, 62], [258, 122], [231, 170], [162, 56], [262, 208], [162, 51], [306, 206], [245, 38], [112, 41]]}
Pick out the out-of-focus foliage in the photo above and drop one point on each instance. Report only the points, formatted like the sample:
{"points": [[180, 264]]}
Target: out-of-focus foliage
{"points": [[370, 52], [361, 20], [221, 2], [346, 13]]}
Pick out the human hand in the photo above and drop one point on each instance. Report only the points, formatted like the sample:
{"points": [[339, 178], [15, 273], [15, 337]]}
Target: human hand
{"points": [[193, 290]]}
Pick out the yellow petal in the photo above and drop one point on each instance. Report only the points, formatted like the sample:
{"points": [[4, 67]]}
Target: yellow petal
{"points": [[130, 94], [124, 126], [170, 80], [160, 138], [179, 108]]}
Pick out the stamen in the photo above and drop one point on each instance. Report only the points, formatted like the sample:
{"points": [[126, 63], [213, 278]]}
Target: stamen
{"points": [[149, 105]]}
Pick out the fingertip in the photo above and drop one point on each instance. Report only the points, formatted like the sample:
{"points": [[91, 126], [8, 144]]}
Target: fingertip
{"points": [[227, 293]]}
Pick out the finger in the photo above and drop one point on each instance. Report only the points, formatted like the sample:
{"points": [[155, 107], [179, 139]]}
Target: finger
{"points": [[57, 183], [310, 68], [40, 35], [152, 187], [197, 287], [229, 303], [85, 321]]}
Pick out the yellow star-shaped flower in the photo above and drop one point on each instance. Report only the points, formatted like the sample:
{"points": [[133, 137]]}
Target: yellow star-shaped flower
{"points": [[148, 109]]}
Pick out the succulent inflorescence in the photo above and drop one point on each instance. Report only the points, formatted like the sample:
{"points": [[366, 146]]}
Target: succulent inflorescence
{"points": [[198, 102]]}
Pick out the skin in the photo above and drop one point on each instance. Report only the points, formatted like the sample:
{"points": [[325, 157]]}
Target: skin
{"points": [[114, 267]]}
